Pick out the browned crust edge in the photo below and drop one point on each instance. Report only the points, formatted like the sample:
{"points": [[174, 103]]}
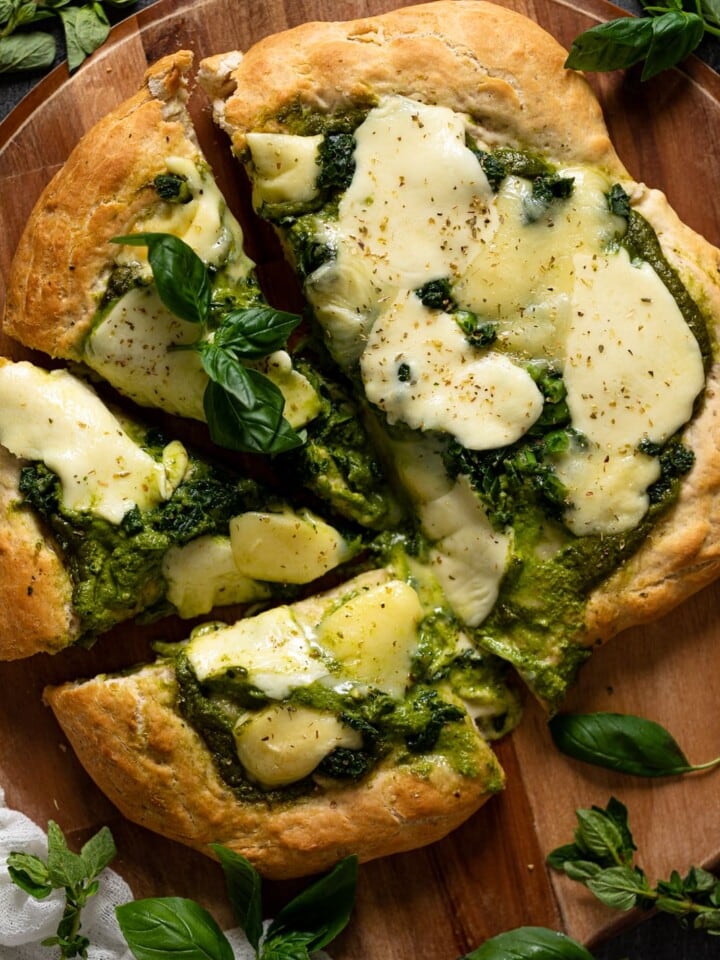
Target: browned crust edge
{"points": [[64, 255], [155, 768]]}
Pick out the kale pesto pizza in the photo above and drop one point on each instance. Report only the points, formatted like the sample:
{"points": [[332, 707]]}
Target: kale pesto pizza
{"points": [[495, 430]]}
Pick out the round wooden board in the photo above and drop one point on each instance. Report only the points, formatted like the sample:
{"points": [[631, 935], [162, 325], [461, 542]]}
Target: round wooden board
{"points": [[488, 876]]}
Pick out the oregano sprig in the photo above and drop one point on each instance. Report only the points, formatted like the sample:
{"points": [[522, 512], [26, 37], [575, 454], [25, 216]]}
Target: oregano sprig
{"points": [[243, 407], [75, 873], [601, 858], [662, 39], [622, 742]]}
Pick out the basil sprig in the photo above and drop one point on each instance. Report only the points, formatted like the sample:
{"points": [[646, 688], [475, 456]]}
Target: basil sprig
{"points": [[601, 858], [173, 926], [530, 943], [661, 40], [75, 873], [243, 407], [622, 742]]}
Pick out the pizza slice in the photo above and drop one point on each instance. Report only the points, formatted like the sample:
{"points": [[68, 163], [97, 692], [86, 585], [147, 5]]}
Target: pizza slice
{"points": [[353, 721], [518, 316], [77, 295], [103, 518]]}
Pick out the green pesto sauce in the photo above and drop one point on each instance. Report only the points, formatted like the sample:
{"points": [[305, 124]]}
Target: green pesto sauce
{"points": [[427, 723], [116, 569]]}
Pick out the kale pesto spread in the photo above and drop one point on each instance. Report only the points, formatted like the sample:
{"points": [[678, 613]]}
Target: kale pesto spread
{"points": [[116, 569]]}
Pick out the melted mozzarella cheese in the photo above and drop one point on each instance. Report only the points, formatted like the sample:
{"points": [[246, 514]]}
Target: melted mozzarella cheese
{"points": [[202, 574], [633, 371], [282, 744], [58, 419], [285, 166], [420, 369]]}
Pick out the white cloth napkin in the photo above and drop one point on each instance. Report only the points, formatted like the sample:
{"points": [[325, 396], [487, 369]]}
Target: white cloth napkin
{"points": [[25, 922]]}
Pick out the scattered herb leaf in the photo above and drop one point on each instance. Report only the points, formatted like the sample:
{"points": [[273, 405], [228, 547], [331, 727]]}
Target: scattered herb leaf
{"points": [[530, 943], [622, 742], [159, 928]]}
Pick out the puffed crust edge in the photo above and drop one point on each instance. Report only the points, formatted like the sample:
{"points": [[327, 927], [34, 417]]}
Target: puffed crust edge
{"points": [[154, 767], [64, 256], [508, 74]]}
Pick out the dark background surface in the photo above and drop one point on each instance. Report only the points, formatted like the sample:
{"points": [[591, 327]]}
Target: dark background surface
{"points": [[657, 938]]}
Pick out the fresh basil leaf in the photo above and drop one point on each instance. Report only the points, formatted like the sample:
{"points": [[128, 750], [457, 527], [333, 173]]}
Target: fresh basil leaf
{"points": [[323, 910], [98, 852], [244, 890], [256, 428], [27, 51], [708, 920], [530, 943], [621, 742], [581, 870], [618, 887], [165, 927], [599, 836], [614, 45], [29, 873], [255, 332], [86, 28], [675, 35], [561, 855], [710, 9], [181, 277]]}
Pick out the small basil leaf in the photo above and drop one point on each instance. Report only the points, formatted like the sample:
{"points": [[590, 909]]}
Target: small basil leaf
{"points": [[617, 887], [675, 34], [181, 277], [65, 868], [614, 45], [710, 9], [598, 835], [561, 855], [530, 943], [98, 852], [581, 870], [86, 28], [166, 927], [321, 911], [255, 332], [621, 742], [292, 946], [244, 890], [708, 920], [27, 51], [258, 427], [29, 873]]}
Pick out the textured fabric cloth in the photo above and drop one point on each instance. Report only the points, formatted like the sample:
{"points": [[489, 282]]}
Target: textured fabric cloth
{"points": [[25, 922]]}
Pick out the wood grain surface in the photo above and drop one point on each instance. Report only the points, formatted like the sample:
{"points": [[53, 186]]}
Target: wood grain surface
{"points": [[437, 903]]}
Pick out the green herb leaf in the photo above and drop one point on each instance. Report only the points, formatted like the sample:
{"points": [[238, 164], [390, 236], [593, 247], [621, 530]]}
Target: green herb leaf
{"points": [[245, 413], [621, 742], [710, 9], [255, 332], [292, 946], [98, 852], [530, 943], [164, 927], [181, 277], [321, 911], [598, 835], [675, 35], [30, 873], [617, 887], [244, 890], [26, 51], [86, 28], [614, 45], [66, 869]]}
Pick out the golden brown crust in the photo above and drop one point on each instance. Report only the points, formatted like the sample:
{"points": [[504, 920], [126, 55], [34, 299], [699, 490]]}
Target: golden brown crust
{"points": [[155, 768], [507, 73], [496, 65], [35, 589], [99, 193]]}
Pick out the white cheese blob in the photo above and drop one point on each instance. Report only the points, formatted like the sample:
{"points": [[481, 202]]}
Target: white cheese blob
{"points": [[633, 371], [420, 369], [286, 547], [272, 649], [374, 635], [286, 167], [202, 574], [281, 744], [60, 420]]}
